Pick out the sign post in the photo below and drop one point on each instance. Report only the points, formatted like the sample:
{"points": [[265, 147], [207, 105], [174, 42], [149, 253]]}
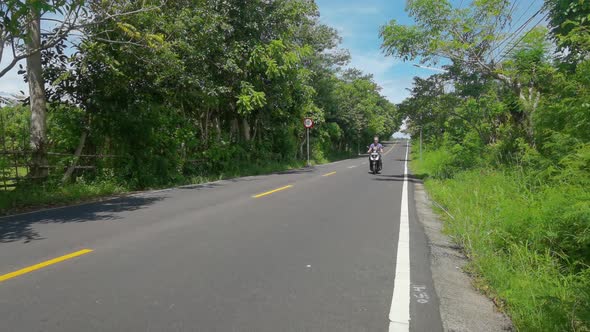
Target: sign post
{"points": [[308, 163], [308, 124]]}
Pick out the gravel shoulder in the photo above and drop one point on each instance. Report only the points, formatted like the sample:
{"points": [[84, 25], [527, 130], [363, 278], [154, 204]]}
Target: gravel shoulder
{"points": [[462, 308]]}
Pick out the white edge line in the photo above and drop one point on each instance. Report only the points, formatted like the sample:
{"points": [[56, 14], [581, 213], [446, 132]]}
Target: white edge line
{"points": [[399, 313]]}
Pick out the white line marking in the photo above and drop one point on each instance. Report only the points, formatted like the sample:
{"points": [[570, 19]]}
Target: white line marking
{"points": [[353, 166], [399, 314], [421, 294]]}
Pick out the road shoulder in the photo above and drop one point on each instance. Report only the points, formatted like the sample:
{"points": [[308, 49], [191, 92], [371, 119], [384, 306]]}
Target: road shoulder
{"points": [[462, 308]]}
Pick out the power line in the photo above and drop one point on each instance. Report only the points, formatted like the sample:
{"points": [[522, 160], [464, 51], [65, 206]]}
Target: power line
{"points": [[513, 22], [522, 37], [504, 23], [521, 28], [506, 42], [526, 11]]}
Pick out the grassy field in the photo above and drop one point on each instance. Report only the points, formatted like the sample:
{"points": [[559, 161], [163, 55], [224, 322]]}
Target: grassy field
{"points": [[528, 242]]}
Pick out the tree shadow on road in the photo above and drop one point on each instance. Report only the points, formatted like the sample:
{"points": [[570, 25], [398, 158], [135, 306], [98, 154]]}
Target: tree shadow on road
{"points": [[414, 178], [303, 170], [22, 227], [203, 186]]}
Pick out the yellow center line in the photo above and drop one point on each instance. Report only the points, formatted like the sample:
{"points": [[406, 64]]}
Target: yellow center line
{"points": [[43, 264], [331, 173], [272, 191]]}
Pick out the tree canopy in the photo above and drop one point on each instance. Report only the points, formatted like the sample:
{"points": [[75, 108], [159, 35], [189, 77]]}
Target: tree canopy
{"points": [[190, 87]]}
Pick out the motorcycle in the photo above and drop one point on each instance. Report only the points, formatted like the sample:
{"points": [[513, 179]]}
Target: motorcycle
{"points": [[375, 163]]}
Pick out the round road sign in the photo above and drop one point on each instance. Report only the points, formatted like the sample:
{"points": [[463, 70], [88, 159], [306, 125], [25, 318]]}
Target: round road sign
{"points": [[308, 123]]}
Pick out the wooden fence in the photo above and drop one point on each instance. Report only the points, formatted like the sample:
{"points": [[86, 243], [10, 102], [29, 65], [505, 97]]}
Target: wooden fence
{"points": [[15, 165]]}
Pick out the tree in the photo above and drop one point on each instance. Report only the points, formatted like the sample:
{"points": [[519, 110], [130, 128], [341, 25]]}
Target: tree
{"points": [[472, 38], [20, 29], [201, 86], [64, 17], [570, 28], [18, 21], [39, 167], [529, 63]]}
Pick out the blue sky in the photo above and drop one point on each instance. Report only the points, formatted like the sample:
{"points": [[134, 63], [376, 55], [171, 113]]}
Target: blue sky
{"points": [[11, 83], [358, 23]]}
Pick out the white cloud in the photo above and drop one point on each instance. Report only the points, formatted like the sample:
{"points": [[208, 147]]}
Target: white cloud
{"points": [[401, 133], [395, 89], [342, 31], [394, 85], [372, 63]]}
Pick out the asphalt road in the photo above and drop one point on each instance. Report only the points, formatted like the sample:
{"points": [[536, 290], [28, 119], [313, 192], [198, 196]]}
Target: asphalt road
{"points": [[319, 254]]}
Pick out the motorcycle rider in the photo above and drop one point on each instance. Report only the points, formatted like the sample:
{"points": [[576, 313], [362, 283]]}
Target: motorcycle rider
{"points": [[377, 147]]}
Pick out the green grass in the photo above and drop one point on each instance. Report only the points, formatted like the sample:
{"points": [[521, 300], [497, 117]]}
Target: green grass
{"points": [[40, 196], [529, 245], [53, 194]]}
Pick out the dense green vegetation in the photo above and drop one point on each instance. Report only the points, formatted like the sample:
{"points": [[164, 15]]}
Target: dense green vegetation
{"points": [[191, 89], [172, 92], [507, 149]]}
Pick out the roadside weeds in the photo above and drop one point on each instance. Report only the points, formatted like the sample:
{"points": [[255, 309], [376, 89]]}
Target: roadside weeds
{"points": [[462, 308]]}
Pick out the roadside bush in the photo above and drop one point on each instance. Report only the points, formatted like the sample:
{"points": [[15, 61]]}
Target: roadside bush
{"points": [[435, 163], [528, 238]]}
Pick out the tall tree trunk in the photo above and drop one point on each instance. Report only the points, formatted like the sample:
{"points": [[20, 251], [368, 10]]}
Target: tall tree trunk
{"points": [[234, 124], [77, 154], [256, 125], [246, 129], [206, 127], [234, 130], [199, 123], [530, 103], [535, 98], [217, 124], [37, 97]]}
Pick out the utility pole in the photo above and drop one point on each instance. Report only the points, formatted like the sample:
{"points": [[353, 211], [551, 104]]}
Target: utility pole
{"points": [[420, 143]]}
